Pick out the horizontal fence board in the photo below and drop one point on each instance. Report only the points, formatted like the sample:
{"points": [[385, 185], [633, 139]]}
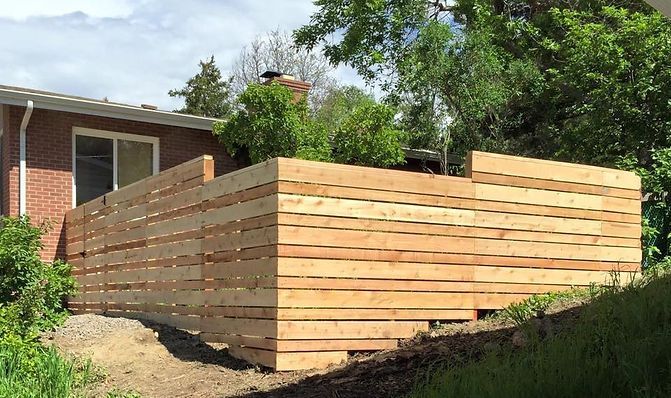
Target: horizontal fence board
{"points": [[372, 314], [370, 178], [312, 252], [315, 268], [551, 170], [463, 231], [292, 298], [298, 360], [551, 185], [250, 327], [373, 210], [348, 329], [291, 235]]}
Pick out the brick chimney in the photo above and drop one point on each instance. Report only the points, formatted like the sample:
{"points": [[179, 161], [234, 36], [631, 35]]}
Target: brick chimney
{"points": [[299, 88]]}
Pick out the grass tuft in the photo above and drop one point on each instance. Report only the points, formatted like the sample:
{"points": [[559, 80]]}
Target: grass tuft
{"points": [[619, 347]]}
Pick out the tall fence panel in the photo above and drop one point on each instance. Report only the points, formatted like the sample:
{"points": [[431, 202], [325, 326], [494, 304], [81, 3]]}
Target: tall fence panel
{"points": [[138, 251], [295, 263]]}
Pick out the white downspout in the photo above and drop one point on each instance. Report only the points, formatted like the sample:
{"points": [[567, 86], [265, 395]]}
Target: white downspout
{"points": [[22, 157]]}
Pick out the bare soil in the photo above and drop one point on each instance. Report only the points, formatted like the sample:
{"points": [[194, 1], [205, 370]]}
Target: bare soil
{"points": [[159, 361]]}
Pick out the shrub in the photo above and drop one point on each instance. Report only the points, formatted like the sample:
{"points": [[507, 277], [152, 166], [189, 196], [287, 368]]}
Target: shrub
{"points": [[31, 290], [368, 137], [31, 300], [271, 124]]}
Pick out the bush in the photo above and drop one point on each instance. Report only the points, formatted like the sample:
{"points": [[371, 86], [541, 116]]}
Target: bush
{"points": [[31, 290], [368, 137], [272, 124], [31, 300]]}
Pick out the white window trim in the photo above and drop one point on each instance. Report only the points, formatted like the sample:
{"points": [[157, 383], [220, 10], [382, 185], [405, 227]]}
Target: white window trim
{"points": [[114, 136]]}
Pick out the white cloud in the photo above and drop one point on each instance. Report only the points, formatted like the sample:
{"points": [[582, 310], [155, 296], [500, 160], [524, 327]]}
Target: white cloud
{"points": [[21, 10], [133, 51]]}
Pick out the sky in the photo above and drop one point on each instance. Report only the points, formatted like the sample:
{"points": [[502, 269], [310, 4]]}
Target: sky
{"points": [[133, 51]]}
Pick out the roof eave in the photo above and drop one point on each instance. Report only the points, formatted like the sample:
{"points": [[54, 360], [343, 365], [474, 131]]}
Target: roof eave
{"points": [[117, 111]]}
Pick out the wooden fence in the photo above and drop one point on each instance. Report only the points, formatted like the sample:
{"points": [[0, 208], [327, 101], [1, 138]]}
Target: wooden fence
{"points": [[295, 263]]}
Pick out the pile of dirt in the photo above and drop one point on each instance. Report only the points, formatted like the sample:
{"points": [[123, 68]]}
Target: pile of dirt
{"points": [[159, 361]]}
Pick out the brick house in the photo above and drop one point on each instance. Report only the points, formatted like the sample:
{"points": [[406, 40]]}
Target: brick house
{"points": [[57, 151]]}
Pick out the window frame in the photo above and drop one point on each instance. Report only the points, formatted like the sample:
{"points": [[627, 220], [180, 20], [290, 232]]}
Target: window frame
{"points": [[115, 137]]}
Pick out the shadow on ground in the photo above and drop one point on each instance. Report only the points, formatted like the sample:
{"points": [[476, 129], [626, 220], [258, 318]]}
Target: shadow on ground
{"points": [[382, 374], [188, 347], [394, 373]]}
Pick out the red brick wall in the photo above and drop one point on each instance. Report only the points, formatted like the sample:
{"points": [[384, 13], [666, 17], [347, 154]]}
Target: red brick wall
{"points": [[49, 161]]}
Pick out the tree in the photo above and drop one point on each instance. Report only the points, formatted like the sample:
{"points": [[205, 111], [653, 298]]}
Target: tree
{"points": [[271, 124], [276, 51], [338, 104], [206, 93], [368, 137], [581, 81]]}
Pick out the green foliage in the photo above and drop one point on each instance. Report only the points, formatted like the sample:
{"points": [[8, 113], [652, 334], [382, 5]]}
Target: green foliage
{"points": [[658, 268], [123, 394], [206, 93], [40, 372], [656, 182], [31, 300], [369, 137], [271, 124], [614, 78], [581, 81], [31, 290], [520, 312], [338, 104], [374, 33], [619, 347]]}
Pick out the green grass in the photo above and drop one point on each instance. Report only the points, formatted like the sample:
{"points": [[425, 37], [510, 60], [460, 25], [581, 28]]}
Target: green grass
{"points": [[519, 313], [620, 347], [123, 394], [38, 372]]}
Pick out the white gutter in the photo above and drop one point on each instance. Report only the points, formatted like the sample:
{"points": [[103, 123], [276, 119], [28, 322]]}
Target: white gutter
{"points": [[22, 157]]}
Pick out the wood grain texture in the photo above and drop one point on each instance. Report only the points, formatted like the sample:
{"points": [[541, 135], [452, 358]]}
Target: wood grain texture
{"points": [[293, 263]]}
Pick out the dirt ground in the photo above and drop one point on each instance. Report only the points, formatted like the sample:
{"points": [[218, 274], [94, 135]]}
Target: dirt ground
{"points": [[160, 361]]}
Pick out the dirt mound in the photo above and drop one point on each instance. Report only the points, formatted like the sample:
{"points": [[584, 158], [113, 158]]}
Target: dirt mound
{"points": [[160, 361]]}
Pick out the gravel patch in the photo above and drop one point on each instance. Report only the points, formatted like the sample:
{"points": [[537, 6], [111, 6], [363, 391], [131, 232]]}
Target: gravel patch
{"points": [[91, 326]]}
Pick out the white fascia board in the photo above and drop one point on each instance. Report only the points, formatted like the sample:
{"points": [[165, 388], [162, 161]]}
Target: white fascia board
{"points": [[117, 111]]}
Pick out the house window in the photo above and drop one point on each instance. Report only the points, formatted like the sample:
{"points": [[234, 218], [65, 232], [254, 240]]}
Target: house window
{"points": [[105, 161]]}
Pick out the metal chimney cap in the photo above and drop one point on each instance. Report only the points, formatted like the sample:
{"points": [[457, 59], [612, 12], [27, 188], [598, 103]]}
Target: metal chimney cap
{"points": [[271, 74]]}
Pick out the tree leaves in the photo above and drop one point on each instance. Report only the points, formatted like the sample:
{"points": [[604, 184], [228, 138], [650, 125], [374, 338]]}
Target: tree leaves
{"points": [[585, 81], [206, 93], [271, 124]]}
